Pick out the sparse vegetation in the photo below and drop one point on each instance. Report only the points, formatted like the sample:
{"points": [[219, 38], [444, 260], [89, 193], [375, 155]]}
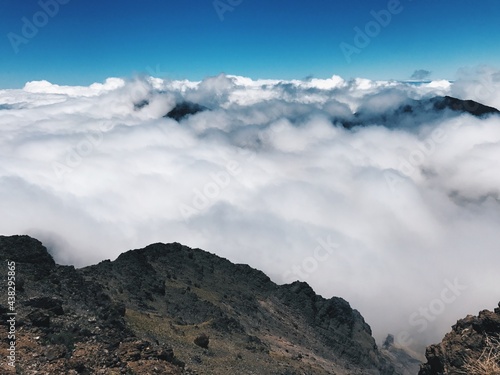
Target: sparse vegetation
{"points": [[488, 362]]}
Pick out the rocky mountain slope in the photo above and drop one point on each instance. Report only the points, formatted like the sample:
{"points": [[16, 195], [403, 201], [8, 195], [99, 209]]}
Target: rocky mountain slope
{"points": [[169, 309], [472, 347], [67, 325]]}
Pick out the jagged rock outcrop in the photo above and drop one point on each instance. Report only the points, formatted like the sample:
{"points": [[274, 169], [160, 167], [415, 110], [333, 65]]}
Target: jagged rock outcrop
{"points": [[143, 313], [463, 346]]}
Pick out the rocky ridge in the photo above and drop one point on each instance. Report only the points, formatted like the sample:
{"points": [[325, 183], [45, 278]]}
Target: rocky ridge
{"points": [[170, 309]]}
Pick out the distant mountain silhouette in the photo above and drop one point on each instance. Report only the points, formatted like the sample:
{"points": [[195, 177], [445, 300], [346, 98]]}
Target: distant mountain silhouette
{"points": [[414, 112], [184, 109], [459, 105]]}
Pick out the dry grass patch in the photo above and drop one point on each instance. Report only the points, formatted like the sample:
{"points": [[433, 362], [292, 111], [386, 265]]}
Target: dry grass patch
{"points": [[488, 362]]}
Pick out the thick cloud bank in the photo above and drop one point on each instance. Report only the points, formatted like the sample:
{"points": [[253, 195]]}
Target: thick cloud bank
{"points": [[401, 221]]}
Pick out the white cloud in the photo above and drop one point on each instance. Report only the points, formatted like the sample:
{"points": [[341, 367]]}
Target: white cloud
{"points": [[265, 174], [481, 84], [46, 87]]}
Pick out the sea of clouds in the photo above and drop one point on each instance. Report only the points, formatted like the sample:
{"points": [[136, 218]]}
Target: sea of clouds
{"points": [[401, 221]]}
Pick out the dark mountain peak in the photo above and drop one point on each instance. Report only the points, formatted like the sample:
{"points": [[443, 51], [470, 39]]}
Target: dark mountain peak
{"points": [[141, 104], [301, 288], [184, 109], [411, 112], [388, 342], [459, 105], [27, 250], [173, 258]]}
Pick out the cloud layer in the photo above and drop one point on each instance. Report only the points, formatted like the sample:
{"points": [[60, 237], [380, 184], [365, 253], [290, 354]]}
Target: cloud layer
{"points": [[385, 217]]}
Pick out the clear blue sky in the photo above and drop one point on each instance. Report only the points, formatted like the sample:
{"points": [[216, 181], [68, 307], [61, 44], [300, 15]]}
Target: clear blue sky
{"points": [[89, 40]]}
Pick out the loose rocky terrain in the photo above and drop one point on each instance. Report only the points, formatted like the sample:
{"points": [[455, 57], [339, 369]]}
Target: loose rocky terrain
{"points": [[67, 325]]}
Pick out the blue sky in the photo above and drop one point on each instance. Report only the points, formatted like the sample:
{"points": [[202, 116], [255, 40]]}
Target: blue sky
{"points": [[87, 41]]}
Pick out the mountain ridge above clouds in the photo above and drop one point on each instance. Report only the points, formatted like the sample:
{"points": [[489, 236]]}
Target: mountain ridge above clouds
{"points": [[171, 309], [415, 111], [406, 115]]}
